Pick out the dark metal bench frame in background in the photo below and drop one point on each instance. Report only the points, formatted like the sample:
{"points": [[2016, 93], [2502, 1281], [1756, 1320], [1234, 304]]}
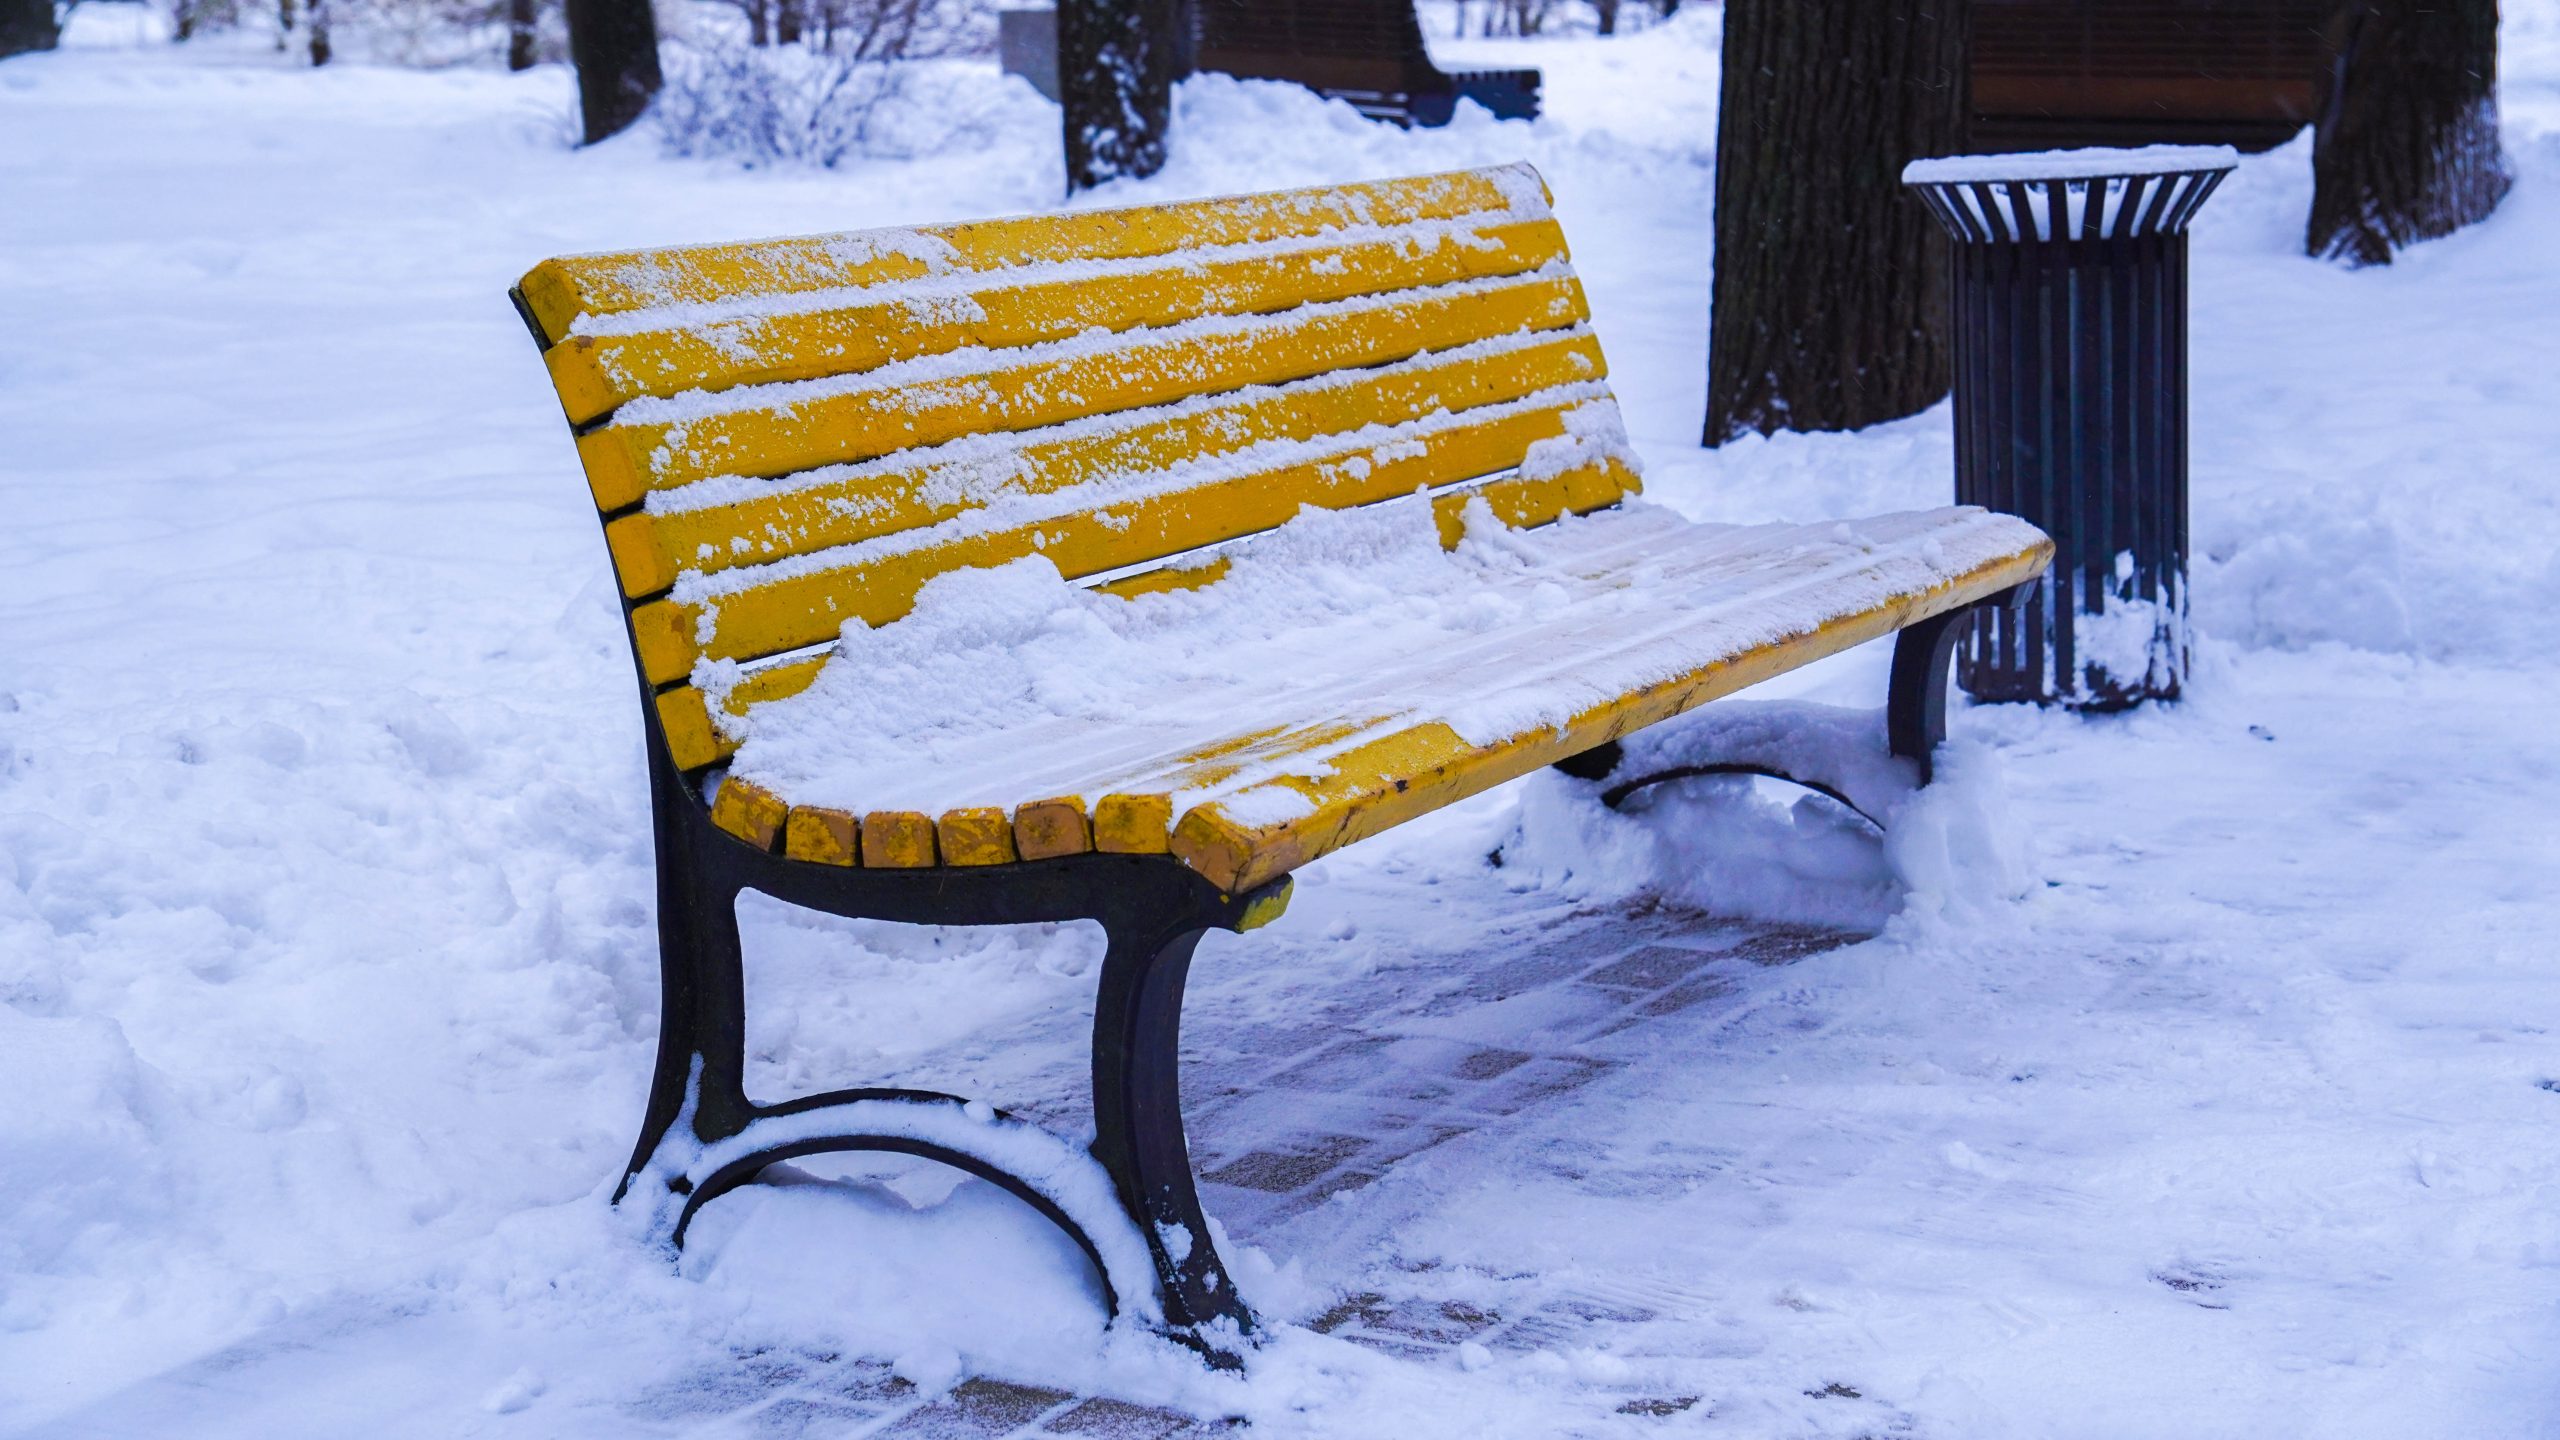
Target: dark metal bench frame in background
{"points": [[1153, 911], [1367, 53]]}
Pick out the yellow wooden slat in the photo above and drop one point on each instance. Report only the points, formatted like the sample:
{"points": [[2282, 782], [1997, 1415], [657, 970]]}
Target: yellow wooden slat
{"points": [[595, 373], [821, 836], [1422, 768], [692, 740], [640, 562], [561, 291], [1046, 829], [1166, 579], [975, 835], [685, 715], [748, 811], [1146, 368], [1132, 824], [901, 494], [897, 840], [790, 612], [1522, 503]]}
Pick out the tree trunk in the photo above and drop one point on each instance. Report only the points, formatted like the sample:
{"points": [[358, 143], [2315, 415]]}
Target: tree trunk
{"points": [[2407, 146], [1828, 309], [1608, 15], [1117, 61], [522, 35], [786, 22], [27, 25], [614, 44], [319, 13]]}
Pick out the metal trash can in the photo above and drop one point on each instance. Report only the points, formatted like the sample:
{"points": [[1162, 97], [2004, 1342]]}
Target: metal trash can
{"points": [[2070, 291]]}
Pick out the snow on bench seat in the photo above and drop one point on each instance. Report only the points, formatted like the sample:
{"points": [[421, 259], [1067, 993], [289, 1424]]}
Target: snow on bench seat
{"points": [[1340, 675]]}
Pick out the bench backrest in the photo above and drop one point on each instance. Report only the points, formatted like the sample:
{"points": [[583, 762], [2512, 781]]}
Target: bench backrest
{"points": [[1336, 44], [787, 435], [2082, 72]]}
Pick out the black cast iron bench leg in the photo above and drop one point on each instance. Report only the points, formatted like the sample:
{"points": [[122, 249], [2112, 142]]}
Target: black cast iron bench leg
{"points": [[1153, 911], [1137, 1111], [1915, 699]]}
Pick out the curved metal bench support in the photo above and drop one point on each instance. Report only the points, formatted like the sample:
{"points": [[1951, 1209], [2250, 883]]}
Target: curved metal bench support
{"points": [[1617, 795], [729, 1176], [701, 1136]]}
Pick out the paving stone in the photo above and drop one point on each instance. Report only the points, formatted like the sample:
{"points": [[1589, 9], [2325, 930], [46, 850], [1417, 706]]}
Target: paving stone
{"points": [[776, 1368], [977, 1410], [1349, 1310], [1406, 1144], [705, 1393], [1275, 1041], [1278, 1172], [1651, 968], [794, 1417], [1396, 1346], [1120, 1420], [1444, 1322], [1486, 1064], [867, 1382], [1519, 975], [1544, 1079], [1683, 997], [1002, 1400], [1352, 1065], [1788, 944]]}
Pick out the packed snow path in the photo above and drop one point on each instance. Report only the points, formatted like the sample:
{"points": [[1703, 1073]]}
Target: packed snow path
{"points": [[325, 956]]}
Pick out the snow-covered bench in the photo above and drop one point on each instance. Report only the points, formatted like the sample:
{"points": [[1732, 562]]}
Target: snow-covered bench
{"points": [[1113, 565]]}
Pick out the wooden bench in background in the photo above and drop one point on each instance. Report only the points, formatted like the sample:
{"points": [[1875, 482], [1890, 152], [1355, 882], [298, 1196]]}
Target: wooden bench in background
{"points": [[1366, 52], [781, 437], [2052, 73]]}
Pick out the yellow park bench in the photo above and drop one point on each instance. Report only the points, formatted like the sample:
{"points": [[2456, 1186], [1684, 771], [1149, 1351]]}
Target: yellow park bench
{"points": [[833, 470]]}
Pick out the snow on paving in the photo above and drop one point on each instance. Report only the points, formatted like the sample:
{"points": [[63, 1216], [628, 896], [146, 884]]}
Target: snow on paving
{"points": [[2200, 1081]]}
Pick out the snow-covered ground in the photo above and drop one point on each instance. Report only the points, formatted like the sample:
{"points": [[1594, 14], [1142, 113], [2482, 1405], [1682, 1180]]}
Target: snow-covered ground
{"points": [[326, 963]]}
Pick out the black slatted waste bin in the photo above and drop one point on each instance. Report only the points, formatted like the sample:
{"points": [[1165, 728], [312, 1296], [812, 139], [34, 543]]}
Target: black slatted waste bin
{"points": [[2070, 293]]}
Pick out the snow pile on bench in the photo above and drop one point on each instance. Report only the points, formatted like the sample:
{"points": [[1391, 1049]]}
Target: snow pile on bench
{"points": [[1007, 684]]}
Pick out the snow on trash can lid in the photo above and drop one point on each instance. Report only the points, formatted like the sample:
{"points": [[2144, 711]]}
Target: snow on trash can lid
{"points": [[2154, 190]]}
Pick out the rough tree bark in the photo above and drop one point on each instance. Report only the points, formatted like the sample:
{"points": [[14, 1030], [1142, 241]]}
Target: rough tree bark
{"points": [[614, 44], [27, 25], [522, 36], [2407, 146], [1117, 61], [1829, 295]]}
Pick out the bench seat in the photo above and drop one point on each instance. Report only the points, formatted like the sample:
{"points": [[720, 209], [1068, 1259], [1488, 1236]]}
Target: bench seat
{"points": [[1341, 675]]}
